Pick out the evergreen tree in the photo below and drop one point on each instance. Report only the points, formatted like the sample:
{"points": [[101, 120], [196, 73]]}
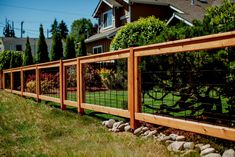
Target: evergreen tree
{"points": [[42, 52], [63, 30], [57, 47], [8, 30], [82, 47], [27, 57], [54, 27], [70, 48]]}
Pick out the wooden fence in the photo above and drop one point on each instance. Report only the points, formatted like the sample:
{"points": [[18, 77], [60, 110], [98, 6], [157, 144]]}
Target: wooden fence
{"points": [[133, 56]]}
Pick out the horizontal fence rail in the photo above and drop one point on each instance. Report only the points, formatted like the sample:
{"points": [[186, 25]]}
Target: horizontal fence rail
{"points": [[171, 84]]}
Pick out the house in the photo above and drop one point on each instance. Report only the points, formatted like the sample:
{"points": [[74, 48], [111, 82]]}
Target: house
{"points": [[112, 14], [18, 44]]}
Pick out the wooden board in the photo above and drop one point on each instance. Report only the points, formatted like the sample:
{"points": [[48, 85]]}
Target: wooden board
{"points": [[33, 95], [105, 58], [48, 66], [48, 98], [70, 103], [201, 128], [70, 63], [131, 89], [108, 110], [194, 44], [7, 90], [16, 92]]}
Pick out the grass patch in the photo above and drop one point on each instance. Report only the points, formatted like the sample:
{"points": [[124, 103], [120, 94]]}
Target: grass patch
{"points": [[28, 128]]}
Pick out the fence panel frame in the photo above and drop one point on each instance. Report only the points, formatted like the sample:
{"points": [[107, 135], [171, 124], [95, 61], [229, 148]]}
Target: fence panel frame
{"points": [[67, 63], [133, 56], [180, 46]]}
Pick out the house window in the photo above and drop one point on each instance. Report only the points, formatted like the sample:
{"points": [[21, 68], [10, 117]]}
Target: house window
{"points": [[108, 18], [18, 47], [97, 49]]}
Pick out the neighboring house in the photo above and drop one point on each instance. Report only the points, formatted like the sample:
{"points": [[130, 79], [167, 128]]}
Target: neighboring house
{"points": [[112, 14], [18, 44]]}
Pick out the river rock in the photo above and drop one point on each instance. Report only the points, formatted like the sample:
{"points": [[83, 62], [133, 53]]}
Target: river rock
{"points": [[145, 129], [104, 122], [109, 123], [116, 124], [127, 128], [189, 145], [146, 133], [169, 142], [162, 139], [199, 145], [121, 127], [176, 146], [207, 151], [229, 153], [138, 131], [173, 136], [180, 138], [212, 155], [205, 147], [151, 133]]}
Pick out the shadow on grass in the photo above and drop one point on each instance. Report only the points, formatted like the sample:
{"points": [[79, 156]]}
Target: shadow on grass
{"points": [[97, 115]]}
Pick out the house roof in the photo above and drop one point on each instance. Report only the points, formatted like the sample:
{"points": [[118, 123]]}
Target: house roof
{"points": [[184, 8], [184, 11], [110, 3], [103, 35]]}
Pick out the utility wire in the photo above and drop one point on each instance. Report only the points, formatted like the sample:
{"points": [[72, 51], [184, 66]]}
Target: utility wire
{"points": [[43, 10]]}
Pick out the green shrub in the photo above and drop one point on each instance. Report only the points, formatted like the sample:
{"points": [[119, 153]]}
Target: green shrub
{"points": [[10, 59], [142, 32], [220, 18]]}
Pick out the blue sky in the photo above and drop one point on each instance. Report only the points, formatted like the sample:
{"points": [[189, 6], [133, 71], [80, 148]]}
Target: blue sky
{"points": [[36, 12]]}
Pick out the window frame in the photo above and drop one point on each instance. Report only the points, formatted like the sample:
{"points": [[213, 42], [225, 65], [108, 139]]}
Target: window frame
{"points": [[96, 47], [107, 12]]}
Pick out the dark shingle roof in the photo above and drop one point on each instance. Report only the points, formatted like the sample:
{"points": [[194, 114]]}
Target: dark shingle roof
{"points": [[103, 35], [190, 12]]}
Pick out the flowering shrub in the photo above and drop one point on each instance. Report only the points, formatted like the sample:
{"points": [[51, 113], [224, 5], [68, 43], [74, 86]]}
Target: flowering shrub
{"points": [[71, 77], [112, 79], [48, 82], [31, 86], [92, 77]]}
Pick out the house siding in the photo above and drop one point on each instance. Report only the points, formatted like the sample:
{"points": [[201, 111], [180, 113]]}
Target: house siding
{"points": [[104, 42], [105, 8], [145, 10]]}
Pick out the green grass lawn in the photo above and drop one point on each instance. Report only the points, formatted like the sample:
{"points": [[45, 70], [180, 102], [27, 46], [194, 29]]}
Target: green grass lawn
{"points": [[28, 128]]}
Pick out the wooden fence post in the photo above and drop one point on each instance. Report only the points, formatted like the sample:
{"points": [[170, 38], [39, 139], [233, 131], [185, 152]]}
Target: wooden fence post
{"points": [[21, 81], [62, 84], [131, 89], [38, 84], [11, 80], [3, 81], [80, 87]]}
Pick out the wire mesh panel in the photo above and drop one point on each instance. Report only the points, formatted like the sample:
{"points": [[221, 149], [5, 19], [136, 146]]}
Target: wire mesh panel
{"points": [[17, 81], [198, 86], [29, 81], [106, 83], [50, 82], [7, 80], [71, 82]]}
